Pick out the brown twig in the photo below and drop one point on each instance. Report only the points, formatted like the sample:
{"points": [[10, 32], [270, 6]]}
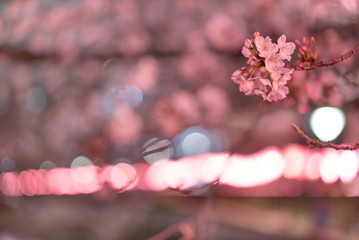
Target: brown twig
{"points": [[315, 143], [328, 63]]}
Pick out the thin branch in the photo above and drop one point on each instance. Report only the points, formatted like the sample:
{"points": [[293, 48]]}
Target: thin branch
{"points": [[315, 143], [330, 62]]}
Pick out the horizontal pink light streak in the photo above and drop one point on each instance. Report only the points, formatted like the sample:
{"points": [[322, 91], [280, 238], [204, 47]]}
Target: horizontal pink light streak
{"points": [[239, 171]]}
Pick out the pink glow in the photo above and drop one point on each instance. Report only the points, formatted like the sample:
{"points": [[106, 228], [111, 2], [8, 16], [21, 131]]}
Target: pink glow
{"points": [[312, 166], [145, 74], [60, 181], [141, 169], [348, 166], [254, 170], [351, 5], [213, 166], [328, 166], [125, 127], [295, 158], [172, 174], [41, 181], [27, 183], [242, 171], [153, 176], [121, 176], [86, 179], [105, 173], [214, 101], [9, 184]]}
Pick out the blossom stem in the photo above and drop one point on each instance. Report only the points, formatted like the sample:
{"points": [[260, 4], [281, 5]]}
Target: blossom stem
{"points": [[314, 143], [328, 63]]}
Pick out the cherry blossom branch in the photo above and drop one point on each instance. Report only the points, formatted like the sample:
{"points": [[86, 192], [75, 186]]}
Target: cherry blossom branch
{"points": [[315, 143], [328, 63]]}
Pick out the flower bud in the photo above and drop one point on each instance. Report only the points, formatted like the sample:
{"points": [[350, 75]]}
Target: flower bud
{"points": [[312, 40], [304, 41], [301, 52], [297, 42], [247, 43]]}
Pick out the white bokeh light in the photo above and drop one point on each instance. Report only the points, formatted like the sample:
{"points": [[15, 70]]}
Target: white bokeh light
{"points": [[157, 149], [348, 166], [195, 143], [130, 95], [327, 123], [47, 165], [192, 141], [81, 161]]}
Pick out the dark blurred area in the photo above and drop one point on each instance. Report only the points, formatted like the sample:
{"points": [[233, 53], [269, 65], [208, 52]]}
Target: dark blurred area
{"points": [[95, 95], [130, 217]]}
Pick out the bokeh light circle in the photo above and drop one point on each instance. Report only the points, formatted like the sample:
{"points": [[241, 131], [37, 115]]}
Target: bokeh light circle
{"points": [[327, 123], [156, 149]]}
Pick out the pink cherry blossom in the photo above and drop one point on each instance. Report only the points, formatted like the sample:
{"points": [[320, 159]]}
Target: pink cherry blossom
{"points": [[246, 52], [276, 74], [265, 74], [237, 76], [248, 43], [265, 46], [246, 86], [278, 92], [282, 74], [287, 74], [274, 62], [286, 49], [255, 85]]}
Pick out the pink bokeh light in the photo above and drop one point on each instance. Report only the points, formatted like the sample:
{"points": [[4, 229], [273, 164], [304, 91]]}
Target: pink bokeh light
{"points": [[236, 170], [254, 170]]}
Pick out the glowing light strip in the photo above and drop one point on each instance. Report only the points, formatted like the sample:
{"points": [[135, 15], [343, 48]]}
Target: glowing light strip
{"points": [[268, 165]]}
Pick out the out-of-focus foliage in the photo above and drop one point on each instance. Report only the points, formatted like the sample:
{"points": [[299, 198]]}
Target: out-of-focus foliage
{"points": [[99, 82], [100, 78]]}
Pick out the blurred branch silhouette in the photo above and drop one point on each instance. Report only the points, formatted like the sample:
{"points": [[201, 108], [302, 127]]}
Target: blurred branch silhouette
{"points": [[315, 143]]}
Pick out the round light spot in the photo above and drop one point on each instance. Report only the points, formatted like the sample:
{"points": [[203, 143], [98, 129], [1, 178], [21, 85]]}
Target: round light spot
{"points": [[195, 143], [348, 166], [156, 149], [123, 177], [9, 184], [130, 95], [327, 123], [47, 165], [328, 166], [7, 165], [194, 140], [81, 161], [121, 160]]}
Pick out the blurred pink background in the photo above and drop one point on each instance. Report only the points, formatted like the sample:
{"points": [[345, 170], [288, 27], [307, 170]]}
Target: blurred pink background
{"points": [[119, 119]]}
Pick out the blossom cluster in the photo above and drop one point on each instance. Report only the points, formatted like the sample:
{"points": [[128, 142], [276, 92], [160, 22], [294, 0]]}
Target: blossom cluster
{"points": [[265, 74]]}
